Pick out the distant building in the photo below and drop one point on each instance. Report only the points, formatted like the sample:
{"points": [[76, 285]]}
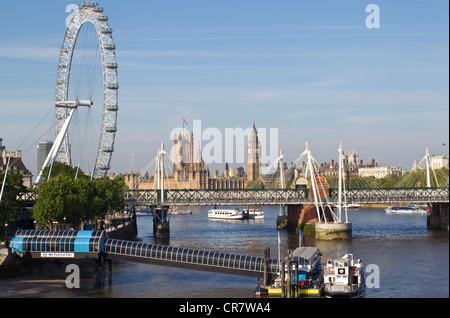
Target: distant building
{"points": [[352, 166], [379, 172], [43, 149], [254, 156], [438, 162], [192, 173], [16, 164]]}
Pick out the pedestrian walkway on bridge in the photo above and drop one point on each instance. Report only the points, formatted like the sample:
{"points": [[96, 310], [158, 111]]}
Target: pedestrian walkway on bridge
{"points": [[94, 244]]}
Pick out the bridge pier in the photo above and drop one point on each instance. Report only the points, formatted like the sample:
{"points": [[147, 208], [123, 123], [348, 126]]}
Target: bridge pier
{"points": [[161, 224], [99, 270], [304, 217], [438, 217]]}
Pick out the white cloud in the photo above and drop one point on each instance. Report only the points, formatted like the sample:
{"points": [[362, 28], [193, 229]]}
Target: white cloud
{"points": [[29, 52]]}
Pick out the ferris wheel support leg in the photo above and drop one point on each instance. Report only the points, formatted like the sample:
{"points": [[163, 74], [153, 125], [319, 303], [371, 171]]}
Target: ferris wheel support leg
{"points": [[55, 148]]}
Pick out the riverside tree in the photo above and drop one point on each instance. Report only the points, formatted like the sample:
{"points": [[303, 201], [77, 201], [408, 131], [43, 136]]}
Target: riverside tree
{"points": [[11, 208], [65, 199]]}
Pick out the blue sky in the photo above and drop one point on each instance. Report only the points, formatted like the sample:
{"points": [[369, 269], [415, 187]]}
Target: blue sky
{"points": [[312, 69]]}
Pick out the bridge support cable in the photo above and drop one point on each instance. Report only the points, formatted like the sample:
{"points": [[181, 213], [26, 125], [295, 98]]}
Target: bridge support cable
{"points": [[320, 201]]}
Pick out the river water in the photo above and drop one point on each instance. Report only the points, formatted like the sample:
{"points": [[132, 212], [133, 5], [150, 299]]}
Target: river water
{"points": [[412, 261]]}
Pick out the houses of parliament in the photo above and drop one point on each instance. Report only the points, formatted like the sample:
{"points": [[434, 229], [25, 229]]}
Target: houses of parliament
{"points": [[190, 172]]}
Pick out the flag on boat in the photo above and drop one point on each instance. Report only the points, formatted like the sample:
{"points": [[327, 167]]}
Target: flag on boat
{"points": [[184, 120]]}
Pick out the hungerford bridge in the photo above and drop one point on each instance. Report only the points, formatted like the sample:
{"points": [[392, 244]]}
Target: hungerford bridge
{"points": [[311, 191], [273, 196]]}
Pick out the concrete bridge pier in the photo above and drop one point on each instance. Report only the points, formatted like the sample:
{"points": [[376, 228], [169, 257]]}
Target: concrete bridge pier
{"points": [[438, 217], [161, 224], [304, 217]]}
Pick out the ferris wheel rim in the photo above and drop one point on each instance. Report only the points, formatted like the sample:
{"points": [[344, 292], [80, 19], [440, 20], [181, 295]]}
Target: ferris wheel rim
{"points": [[90, 12]]}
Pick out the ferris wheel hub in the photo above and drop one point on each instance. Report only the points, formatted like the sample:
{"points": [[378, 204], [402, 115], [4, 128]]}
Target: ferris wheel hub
{"points": [[74, 104]]}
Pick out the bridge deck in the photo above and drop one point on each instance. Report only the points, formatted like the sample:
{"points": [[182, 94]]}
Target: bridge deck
{"points": [[189, 258], [272, 196]]}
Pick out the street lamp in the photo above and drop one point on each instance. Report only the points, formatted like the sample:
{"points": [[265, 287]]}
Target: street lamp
{"points": [[6, 235]]}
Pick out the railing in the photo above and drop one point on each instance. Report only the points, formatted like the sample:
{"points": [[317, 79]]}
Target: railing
{"points": [[272, 196], [394, 195], [188, 257], [208, 197]]}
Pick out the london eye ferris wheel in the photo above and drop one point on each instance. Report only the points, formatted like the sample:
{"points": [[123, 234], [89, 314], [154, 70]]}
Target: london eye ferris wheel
{"points": [[86, 99]]}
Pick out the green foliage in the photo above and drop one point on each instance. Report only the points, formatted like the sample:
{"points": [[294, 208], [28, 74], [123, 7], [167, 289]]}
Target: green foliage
{"points": [[253, 185], [66, 200], [10, 207], [410, 179], [59, 168]]}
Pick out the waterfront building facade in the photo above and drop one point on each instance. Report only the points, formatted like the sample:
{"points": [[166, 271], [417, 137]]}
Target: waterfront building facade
{"points": [[16, 164], [438, 162], [379, 172]]}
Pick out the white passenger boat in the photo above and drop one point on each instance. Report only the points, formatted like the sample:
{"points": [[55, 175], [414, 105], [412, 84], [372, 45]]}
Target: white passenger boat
{"points": [[255, 214], [179, 211], [344, 277], [410, 209], [348, 206], [226, 214]]}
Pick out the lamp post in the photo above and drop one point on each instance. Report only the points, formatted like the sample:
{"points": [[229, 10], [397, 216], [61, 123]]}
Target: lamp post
{"points": [[6, 235]]}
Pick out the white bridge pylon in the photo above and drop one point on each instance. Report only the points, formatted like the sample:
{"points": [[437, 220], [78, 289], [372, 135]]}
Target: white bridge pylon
{"points": [[321, 203], [160, 168], [52, 155], [274, 167], [427, 160]]}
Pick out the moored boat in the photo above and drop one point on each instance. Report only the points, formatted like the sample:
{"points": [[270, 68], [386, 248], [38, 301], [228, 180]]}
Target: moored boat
{"points": [[344, 277], [348, 206], [410, 209], [309, 282], [261, 290], [255, 214], [178, 211], [226, 214]]}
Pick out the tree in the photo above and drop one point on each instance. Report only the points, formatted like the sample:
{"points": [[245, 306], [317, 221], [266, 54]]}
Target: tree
{"points": [[10, 207], [59, 168], [66, 200]]}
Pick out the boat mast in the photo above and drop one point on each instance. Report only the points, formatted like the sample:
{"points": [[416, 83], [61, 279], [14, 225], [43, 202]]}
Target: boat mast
{"points": [[340, 181]]}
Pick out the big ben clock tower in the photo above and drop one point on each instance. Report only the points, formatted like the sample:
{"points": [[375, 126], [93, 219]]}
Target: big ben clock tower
{"points": [[253, 156]]}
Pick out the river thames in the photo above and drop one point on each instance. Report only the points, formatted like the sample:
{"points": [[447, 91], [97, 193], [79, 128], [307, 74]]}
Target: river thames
{"points": [[413, 261]]}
